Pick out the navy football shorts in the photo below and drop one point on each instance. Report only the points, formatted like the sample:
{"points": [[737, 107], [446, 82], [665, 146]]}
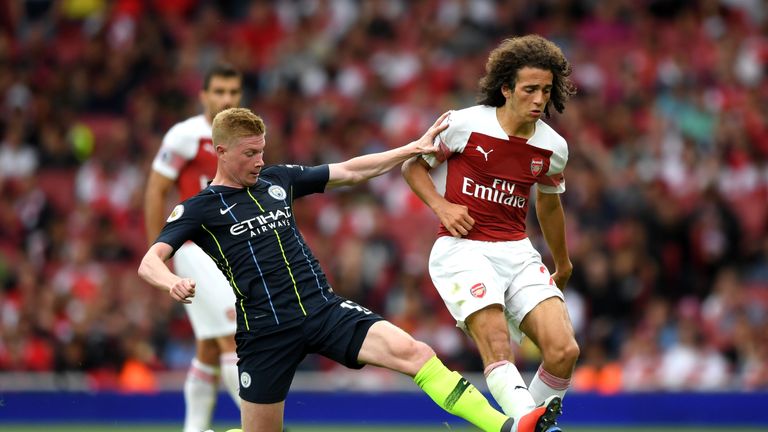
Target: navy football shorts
{"points": [[268, 362]]}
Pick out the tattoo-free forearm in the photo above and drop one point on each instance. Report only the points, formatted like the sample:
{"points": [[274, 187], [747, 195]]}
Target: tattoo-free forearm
{"points": [[153, 269], [551, 216], [418, 178], [362, 168]]}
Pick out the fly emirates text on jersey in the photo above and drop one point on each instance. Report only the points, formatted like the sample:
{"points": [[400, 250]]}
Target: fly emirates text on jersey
{"points": [[501, 191]]}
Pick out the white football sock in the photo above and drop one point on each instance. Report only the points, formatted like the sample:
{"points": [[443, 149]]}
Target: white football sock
{"points": [[199, 396], [229, 375], [508, 388], [544, 385]]}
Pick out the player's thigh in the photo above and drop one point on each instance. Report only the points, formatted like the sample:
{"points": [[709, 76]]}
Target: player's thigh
{"points": [[530, 286], [549, 325], [267, 363], [387, 345], [464, 277], [226, 343], [338, 331], [262, 417], [212, 311]]}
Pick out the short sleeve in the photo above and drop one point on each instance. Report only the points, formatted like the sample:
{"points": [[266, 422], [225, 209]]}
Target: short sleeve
{"points": [[451, 140], [554, 180], [174, 153], [302, 180], [181, 226]]}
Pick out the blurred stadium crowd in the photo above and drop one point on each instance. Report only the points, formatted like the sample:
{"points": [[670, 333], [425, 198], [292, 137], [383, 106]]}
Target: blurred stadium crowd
{"points": [[667, 199]]}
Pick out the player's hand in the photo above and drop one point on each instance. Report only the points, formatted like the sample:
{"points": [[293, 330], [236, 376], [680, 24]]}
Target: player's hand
{"points": [[562, 275], [455, 218], [183, 290], [426, 144]]}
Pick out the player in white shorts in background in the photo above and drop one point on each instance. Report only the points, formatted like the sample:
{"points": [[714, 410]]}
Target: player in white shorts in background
{"points": [[486, 270], [187, 161]]}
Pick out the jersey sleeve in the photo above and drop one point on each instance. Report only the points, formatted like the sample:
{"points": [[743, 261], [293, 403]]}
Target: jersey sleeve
{"points": [[305, 180], [554, 180], [174, 153], [451, 140], [180, 226]]}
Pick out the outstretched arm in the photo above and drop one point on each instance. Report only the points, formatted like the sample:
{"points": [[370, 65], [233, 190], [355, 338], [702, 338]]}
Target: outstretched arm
{"points": [[154, 271], [454, 217], [362, 168], [549, 212]]}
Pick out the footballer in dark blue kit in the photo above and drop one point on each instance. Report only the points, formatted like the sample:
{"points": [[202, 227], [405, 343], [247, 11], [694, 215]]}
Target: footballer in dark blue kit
{"points": [[251, 235], [285, 306]]}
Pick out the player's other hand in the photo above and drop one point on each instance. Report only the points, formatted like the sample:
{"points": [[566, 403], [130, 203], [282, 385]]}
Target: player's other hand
{"points": [[183, 290], [455, 218], [562, 275], [426, 144]]}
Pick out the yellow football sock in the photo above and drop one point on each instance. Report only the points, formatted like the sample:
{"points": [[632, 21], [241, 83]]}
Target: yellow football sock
{"points": [[457, 396]]}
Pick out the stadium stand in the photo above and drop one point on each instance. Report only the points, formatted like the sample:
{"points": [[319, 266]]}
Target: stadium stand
{"points": [[667, 182]]}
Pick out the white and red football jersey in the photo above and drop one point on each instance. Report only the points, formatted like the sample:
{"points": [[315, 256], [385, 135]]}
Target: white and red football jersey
{"points": [[187, 156], [492, 173]]}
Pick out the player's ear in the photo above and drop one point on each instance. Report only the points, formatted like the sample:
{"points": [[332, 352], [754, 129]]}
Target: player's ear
{"points": [[220, 150], [506, 91]]}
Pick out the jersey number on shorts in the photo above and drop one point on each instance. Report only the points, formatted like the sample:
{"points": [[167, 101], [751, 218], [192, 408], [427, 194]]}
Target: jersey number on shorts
{"points": [[349, 304]]}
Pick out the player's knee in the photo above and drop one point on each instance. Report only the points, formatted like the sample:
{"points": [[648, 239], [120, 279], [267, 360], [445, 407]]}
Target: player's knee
{"points": [[413, 351], [564, 354]]}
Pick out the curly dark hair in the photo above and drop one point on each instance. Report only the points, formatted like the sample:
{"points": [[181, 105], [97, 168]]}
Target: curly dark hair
{"points": [[526, 51]]}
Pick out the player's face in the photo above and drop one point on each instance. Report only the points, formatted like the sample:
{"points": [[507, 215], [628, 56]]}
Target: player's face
{"points": [[222, 93], [531, 94], [245, 158]]}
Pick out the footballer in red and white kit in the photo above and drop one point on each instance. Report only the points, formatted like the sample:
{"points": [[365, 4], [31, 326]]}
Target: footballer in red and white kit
{"points": [[188, 157], [495, 263], [491, 278]]}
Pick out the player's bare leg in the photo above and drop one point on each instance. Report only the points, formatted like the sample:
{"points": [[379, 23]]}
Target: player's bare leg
{"points": [[488, 328], [262, 417], [388, 346], [549, 327]]}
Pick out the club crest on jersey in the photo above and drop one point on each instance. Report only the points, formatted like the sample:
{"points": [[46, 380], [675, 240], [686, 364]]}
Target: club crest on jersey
{"points": [[176, 213], [537, 164], [478, 290], [276, 192]]}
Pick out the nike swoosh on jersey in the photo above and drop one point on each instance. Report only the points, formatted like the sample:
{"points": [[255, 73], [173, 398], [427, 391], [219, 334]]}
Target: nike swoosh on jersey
{"points": [[225, 210]]}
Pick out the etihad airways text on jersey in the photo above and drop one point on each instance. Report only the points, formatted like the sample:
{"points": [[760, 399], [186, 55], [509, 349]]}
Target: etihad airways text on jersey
{"points": [[262, 222]]}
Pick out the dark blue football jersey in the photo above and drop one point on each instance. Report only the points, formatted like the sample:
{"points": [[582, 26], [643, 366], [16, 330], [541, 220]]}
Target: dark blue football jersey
{"points": [[251, 235]]}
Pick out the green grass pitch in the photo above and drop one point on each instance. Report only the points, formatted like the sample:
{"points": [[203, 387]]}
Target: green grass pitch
{"points": [[348, 428]]}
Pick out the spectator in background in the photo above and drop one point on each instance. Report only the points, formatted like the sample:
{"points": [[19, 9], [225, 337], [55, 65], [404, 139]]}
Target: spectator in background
{"points": [[17, 158], [671, 117]]}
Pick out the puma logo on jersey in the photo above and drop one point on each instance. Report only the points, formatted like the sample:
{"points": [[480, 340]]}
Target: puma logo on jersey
{"points": [[226, 210], [485, 153]]}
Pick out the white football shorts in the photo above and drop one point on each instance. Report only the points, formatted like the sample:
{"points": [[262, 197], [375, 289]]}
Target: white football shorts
{"points": [[471, 275], [212, 311]]}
